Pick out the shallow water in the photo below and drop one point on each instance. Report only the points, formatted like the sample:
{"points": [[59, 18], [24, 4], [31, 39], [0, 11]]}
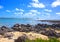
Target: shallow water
{"points": [[11, 22]]}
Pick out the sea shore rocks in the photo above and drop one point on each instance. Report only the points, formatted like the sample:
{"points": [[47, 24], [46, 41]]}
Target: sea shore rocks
{"points": [[21, 32], [5, 29], [38, 28]]}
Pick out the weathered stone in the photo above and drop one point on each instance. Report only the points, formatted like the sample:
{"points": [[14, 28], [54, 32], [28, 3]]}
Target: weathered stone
{"points": [[5, 29], [16, 27], [21, 39], [8, 35]]}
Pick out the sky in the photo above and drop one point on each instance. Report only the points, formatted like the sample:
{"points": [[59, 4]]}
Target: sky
{"points": [[34, 9]]}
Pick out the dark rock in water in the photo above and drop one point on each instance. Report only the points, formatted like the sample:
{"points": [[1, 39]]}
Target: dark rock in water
{"points": [[22, 27], [21, 39], [5, 29], [55, 26], [38, 26], [16, 27], [28, 25], [41, 26], [26, 28]]}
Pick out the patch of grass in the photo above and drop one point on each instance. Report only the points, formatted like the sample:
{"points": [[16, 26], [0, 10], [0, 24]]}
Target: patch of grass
{"points": [[53, 40], [41, 40]]}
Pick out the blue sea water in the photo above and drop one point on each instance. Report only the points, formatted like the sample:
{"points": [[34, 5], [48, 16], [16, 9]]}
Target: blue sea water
{"points": [[10, 22]]}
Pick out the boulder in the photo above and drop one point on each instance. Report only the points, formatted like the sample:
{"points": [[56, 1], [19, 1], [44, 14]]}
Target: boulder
{"points": [[58, 35], [22, 27], [8, 35], [5, 29], [16, 27], [21, 38], [50, 33]]}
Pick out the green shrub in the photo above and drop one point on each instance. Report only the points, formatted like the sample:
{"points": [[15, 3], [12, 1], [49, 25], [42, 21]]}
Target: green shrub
{"points": [[41, 40]]}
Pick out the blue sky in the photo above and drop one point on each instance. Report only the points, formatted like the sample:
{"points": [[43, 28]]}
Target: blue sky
{"points": [[35, 9]]}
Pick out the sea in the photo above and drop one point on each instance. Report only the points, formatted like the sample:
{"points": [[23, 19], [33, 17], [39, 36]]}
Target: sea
{"points": [[11, 21]]}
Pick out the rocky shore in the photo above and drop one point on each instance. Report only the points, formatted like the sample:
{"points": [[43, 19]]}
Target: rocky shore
{"points": [[28, 31]]}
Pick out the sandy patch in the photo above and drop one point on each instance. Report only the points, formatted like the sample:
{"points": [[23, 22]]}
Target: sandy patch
{"points": [[30, 35]]}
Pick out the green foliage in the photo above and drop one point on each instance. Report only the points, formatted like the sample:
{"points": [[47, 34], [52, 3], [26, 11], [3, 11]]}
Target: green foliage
{"points": [[41, 40]]}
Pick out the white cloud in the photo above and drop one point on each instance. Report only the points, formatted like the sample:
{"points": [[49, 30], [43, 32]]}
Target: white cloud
{"points": [[58, 13], [47, 10], [48, 14], [22, 10], [8, 11], [36, 1], [36, 4], [35, 12], [17, 9], [29, 14], [32, 14], [56, 3], [18, 13], [1, 7]]}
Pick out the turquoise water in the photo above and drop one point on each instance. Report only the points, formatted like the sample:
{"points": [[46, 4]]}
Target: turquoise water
{"points": [[11, 22]]}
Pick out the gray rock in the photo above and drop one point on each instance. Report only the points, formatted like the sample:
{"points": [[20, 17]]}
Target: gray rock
{"points": [[21, 39], [5, 29], [8, 35]]}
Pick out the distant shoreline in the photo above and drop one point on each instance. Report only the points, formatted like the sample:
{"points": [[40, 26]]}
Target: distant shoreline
{"points": [[52, 21]]}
